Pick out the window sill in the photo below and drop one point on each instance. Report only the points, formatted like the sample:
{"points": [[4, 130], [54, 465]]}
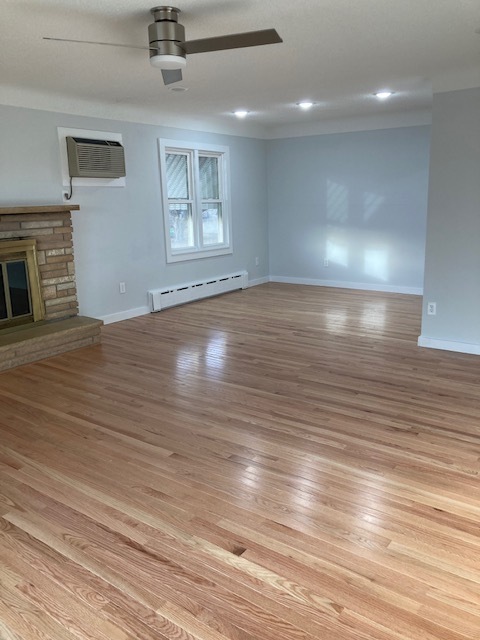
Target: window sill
{"points": [[182, 256]]}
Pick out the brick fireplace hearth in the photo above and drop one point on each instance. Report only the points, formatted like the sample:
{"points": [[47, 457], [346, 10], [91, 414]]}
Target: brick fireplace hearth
{"points": [[49, 228]]}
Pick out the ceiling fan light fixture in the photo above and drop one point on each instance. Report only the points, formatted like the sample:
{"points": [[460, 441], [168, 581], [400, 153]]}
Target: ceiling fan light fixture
{"points": [[168, 47], [167, 62]]}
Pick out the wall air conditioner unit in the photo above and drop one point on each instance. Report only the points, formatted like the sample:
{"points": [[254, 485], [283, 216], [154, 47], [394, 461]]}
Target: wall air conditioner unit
{"points": [[89, 158]]}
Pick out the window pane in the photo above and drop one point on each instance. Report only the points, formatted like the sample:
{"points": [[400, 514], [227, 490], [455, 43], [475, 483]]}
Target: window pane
{"points": [[18, 287], [209, 178], [3, 303], [181, 226], [212, 223], [177, 176]]}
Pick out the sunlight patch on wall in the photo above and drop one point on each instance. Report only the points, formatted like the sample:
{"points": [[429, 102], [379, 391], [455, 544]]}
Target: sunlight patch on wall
{"points": [[376, 264], [337, 202], [371, 204], [336, 253]]}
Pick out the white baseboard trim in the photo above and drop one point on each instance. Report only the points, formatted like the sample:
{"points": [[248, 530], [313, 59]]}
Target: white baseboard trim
{"points": [[449, 345], [363, 286], [142, 311], [257, 281], [125, 315]]}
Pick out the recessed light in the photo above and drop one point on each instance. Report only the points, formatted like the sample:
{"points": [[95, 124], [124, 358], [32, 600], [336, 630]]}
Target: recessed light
{"points": [[305, 105], [383, 95], [178, 89], [241, 113]]}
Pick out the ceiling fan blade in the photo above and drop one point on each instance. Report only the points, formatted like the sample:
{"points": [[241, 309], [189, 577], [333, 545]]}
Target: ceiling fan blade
{"points": [[103, 44], [233, 41], [171, 75]]}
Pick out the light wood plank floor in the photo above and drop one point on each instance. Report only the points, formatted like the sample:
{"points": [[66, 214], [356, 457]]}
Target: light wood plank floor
{"points": [[274, 464]]}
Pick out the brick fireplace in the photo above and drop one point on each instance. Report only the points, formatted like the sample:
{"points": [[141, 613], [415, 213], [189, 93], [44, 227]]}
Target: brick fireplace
{"points": [[40, 239]]}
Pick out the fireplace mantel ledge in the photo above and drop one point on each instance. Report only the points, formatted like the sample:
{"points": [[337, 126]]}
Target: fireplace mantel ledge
{"points": [[53, 208]]}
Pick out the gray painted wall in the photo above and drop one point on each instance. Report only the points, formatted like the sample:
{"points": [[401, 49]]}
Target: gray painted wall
{"points": [[118, 233], [356, 199], [452, 269]]}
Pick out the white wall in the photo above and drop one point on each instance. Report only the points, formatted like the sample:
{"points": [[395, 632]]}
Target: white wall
{"points": [[452, 270], [356, 199], [118, 232]]}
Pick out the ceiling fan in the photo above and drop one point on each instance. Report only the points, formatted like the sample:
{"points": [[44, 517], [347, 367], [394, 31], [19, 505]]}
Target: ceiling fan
{"points": [[168, 47]]}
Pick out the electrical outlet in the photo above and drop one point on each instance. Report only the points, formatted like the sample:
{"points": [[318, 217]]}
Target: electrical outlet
{"points": [[257, 261], [325, 262], [431, 308], [123, 288]]}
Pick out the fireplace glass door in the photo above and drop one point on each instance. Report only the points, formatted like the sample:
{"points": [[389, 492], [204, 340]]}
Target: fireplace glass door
{"points": [[15, 298]]}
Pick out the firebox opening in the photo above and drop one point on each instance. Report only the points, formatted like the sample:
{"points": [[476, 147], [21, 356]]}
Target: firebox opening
{"points": [[15, 300], [20, 300]]}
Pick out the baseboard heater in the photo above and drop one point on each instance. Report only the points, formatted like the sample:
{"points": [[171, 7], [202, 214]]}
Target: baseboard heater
{"points": [[172, 296]]}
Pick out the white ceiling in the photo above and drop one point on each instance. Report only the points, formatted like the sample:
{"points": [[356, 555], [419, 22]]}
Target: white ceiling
{"points": [[335, 52]]}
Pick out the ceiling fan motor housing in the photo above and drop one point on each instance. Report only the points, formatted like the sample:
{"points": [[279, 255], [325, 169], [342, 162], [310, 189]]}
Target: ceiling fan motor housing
{"points": [[166, 35]]}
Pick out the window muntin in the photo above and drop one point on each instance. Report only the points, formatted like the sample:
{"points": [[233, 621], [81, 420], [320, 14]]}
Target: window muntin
{"points": [[194, 187]]}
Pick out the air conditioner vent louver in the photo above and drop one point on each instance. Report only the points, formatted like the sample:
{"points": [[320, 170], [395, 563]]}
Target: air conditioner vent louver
{"points": [[89, 158]]}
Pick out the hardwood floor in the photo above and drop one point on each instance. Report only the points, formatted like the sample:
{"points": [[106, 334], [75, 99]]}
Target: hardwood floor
{"points": [[278, 463]]}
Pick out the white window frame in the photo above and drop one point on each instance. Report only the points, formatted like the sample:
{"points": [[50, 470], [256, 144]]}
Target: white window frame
{"points": [[193, 150]]}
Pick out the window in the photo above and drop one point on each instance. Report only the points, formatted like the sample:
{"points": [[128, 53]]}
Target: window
{"points": [[195, 200]]}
